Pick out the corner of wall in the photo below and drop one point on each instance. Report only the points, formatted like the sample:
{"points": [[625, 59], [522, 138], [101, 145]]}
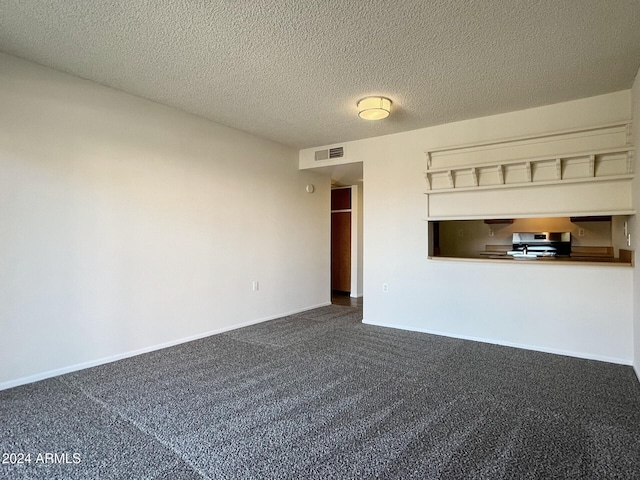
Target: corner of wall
{"points": [[635, 225]]}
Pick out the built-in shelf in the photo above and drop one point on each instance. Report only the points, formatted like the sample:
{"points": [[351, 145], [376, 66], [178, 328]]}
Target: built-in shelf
{"points": [[588, 169], [619, 132], [589, 154], [594, 165]]}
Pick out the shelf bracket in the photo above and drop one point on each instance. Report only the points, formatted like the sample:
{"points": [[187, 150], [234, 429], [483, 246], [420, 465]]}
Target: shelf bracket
{"points": [[451, 182], [429, 160], [474, 176], [427, 177], [558, 169], [501, 174], [630, 161], [592, 165], [528, 167]]}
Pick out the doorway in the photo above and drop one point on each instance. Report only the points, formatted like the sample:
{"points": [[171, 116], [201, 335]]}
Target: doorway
{"points": [[341, 240], [350, 177], [346, 242]]}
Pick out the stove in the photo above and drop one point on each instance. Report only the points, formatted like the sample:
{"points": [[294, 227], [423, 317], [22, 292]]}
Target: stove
{"points": [[541, 244]]}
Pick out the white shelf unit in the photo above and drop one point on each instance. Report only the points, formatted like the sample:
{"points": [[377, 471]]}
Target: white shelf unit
{"points": [[584, 154], [616, 163], [587, 169]]}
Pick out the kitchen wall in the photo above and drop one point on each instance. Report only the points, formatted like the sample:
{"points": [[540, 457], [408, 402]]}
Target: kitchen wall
{"points": [[475, 233], [579, 310], [127, 225]]}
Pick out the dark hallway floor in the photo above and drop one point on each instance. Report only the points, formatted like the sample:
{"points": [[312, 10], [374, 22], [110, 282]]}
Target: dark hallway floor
{"points": [[343, 298]]}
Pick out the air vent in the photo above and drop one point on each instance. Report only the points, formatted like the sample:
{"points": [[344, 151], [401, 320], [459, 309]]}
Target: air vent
{"points": [[337, 152], [322, 155]]}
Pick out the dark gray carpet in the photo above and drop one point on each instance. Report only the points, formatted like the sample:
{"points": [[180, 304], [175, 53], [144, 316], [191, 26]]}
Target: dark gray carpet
{"points": [[320, 395]]}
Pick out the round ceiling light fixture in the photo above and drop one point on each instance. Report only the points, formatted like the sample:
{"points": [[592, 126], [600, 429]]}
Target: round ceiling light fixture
{"points": [[374, 108]]}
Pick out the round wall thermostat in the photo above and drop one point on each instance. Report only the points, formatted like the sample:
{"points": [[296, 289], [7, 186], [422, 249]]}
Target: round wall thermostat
{"points": [[310, 188]]}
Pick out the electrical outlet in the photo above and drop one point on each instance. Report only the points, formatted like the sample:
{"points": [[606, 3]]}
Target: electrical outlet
{"points": [[385, 287], [460, 233], [256, 286], [490, 233], [581, 232]]}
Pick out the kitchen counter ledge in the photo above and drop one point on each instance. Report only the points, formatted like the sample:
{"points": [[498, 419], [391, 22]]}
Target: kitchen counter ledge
{"points": [[608, 262]]}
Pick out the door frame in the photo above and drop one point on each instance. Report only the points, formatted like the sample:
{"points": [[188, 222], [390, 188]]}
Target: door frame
{"points": [[356, 289]]}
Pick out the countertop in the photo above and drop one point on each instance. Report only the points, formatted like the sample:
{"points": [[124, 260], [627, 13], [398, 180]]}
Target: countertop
{"points": [[488, 256]]}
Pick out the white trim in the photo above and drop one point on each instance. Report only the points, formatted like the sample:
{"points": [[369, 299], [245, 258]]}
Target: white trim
{"points": [[354, 287], [635, 369], [120, 356], [555, 351]]}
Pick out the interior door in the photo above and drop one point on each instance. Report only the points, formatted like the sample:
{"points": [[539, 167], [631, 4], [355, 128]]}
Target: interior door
{"points": [[341, 251], [341, 239]]}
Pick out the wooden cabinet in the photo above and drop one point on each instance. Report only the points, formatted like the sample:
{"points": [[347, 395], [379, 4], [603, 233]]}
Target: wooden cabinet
{"points": [[341, 251], [341, 199]]}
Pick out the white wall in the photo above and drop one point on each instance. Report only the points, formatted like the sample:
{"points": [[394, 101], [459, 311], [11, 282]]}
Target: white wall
{"points": [[126, 225], [360, 220], [635, 226], [579, 310], [356, 242]]}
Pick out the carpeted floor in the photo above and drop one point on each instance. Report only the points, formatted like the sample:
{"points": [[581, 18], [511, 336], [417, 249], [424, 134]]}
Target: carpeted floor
{"points": [[320, 395]]}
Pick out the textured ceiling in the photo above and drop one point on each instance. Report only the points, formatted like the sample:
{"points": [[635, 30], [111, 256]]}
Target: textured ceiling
{"points": [[293, 70]]}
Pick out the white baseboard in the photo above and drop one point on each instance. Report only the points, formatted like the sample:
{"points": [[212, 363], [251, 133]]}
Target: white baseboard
{"points": [[568, 353], [636, 368], [120, 356]]}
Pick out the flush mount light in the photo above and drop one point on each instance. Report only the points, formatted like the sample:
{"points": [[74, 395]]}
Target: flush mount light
{"points": [[374, 108]]}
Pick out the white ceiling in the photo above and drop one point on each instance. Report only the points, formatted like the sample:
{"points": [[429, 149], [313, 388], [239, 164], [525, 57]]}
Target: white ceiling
{"points": [[293, 70]]}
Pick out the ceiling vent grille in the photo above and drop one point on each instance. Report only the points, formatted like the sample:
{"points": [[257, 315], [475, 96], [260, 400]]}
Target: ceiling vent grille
{"points": [[336, 152]]}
